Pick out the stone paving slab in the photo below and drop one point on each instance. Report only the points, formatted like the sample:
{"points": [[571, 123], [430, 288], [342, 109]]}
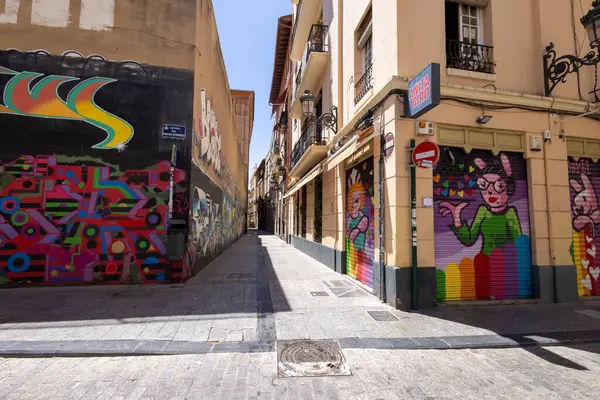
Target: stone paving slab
{"points": [[165, 347], [520, 373], [260, 291]]}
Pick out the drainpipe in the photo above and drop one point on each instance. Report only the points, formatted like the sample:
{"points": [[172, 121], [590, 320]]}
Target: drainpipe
{"points": [[550, 238], [382, 286]]}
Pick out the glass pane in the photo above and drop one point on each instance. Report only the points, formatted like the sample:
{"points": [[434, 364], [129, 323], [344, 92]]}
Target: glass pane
{"points": [[473, 11], [465, 20], [465, 9], [474, 21], [474, 34], [465, 32]]}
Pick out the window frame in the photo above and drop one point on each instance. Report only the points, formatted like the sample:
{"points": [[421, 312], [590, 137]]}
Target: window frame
{"points": [[461, 24]]}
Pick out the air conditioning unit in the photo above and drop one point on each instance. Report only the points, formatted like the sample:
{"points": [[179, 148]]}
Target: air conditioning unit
{"points": [[425, 128]]}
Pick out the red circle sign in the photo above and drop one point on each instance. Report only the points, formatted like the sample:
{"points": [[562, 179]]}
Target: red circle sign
{"points": [[425, 154]]}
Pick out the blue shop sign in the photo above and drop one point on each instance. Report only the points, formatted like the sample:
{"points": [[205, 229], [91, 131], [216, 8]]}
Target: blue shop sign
{"points": [[174, 132], [423, 92]]}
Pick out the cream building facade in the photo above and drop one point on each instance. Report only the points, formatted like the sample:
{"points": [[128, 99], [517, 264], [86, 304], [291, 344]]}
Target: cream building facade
{"points": [[509, 211]]}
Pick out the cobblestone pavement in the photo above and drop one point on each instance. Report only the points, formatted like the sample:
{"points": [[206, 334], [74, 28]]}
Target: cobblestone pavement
{"points": [[217, 337], [536, 373], [263, 284]]}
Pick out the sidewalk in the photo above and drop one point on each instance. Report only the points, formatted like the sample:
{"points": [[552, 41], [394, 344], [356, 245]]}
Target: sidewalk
{"points": [[259, 292]]}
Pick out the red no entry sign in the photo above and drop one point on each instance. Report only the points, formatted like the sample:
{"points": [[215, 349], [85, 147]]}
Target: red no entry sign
{"points": [[425, 154]]}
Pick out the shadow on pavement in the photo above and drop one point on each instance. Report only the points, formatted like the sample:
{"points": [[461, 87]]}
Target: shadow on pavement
{"points": [[532, 325], [229, 287]]}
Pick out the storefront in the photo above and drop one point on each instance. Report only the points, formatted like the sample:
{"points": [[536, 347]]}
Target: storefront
{"points": [[584, 179], [481, 225], [360, 221]]}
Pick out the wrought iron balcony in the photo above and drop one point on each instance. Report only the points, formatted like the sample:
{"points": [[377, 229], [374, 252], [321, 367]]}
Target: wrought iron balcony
{"points": [[317, 40], [364, 84], [311, 134], [317, 43], [469, 56]]}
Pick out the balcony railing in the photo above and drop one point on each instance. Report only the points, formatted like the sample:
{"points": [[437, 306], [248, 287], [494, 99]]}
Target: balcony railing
{"points": [[364, 84], [469, 56], [312, 133], [317, 40]]}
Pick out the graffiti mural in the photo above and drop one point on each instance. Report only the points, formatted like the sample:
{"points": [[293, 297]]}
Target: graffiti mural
{"points": [[482, 242], [584, 178], [70, 211], [24, 98], [217, 206], [64, 221], [360, 225]]}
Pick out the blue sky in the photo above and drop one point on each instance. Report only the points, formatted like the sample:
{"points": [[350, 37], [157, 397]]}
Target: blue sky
{"points": [[247, 31]]}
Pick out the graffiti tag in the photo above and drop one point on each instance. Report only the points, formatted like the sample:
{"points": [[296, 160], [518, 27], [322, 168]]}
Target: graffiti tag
{"points": [[43, 101]]}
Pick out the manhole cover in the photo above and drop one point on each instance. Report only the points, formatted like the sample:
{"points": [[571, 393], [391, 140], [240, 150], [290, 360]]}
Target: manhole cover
{"points": [[319, 294], [382, 316], [311, 358]]}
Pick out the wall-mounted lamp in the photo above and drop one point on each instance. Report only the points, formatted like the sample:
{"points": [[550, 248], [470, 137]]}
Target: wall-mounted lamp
{"points": [[484, 119], [307, 100], [557, 68]]}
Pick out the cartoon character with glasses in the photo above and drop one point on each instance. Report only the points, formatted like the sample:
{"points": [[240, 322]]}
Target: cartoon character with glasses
{"points": [[495, 221]]}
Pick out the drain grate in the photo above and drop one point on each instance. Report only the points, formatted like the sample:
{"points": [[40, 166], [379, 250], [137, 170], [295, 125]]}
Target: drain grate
{"points": [[299, 358], [319, 294], [382, 316]]}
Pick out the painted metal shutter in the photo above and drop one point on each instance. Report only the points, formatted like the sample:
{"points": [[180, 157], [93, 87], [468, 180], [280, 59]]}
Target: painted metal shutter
{"points": [[584, 178], [481, 226], [360, 222]]}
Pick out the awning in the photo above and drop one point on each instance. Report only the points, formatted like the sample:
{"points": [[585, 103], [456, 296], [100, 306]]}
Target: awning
{"points": [[340, 156], [280, 101], [307, 178]]}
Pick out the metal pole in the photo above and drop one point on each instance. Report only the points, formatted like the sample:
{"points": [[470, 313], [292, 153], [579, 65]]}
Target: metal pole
{"points": [[413, 202], [382, 218]]}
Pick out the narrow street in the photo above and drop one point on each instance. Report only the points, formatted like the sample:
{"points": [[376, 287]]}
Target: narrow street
{"points": [[221, 336]]}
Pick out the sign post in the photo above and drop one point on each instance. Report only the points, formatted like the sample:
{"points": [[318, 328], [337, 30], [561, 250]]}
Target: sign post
{"points": [[413, 223]]}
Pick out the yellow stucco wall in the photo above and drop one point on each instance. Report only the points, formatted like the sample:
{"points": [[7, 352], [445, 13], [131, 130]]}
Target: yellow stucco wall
{"points": [[159, 33]]}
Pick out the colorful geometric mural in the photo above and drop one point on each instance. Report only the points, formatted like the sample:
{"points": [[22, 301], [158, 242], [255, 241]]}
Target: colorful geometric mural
{"points": [[24, 98], [482, 243], [360, 217], [68, 221], [584, 178]]}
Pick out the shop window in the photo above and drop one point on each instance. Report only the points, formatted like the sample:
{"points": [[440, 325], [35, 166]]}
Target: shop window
{"points": [[303, 212], [319, 209]]}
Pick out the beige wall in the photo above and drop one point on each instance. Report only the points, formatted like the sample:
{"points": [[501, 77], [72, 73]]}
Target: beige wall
{"points": [[243, 110], [159, 33], [212, 78]]}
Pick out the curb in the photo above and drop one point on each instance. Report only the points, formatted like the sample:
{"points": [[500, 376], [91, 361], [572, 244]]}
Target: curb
{"points": [[136, 348]]}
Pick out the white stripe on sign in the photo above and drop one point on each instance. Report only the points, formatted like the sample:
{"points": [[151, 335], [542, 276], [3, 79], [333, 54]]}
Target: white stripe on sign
{"points": [[425, 154], [389, 145]]}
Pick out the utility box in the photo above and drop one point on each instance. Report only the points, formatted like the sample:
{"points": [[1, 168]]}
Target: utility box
{"points": [[176, 239]]}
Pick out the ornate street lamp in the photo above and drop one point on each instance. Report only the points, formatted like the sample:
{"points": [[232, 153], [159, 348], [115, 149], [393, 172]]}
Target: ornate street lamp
{"points": [[308, 104], [308, 110], [556, 68]]}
